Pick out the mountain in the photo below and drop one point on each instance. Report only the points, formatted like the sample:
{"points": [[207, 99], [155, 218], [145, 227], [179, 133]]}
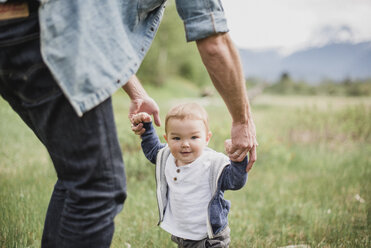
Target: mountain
{"points": [[335, 61]]}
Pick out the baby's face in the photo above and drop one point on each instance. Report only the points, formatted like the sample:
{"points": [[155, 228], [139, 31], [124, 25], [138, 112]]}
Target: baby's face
{"points": [[186, 139]]}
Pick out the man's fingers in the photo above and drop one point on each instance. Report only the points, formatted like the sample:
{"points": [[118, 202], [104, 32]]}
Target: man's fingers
{"points": [[233, 149], [238, 155], [242, 156], [252, 158], [244, 146], [156, 118]]}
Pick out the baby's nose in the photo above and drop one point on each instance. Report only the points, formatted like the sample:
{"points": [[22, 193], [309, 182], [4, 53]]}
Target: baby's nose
{"points": [[185, 143]]}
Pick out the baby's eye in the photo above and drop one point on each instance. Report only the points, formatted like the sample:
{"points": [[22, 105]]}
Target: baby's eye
{"points": [[176, 138], [194, 137]]}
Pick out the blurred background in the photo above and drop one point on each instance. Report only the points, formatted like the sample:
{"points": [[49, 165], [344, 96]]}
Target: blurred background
{"points": [[308, 75], [286, 46]]}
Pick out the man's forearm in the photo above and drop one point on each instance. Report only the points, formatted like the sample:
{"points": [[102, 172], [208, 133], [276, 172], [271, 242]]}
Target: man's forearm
{"points": [[223, 63], [134, 89]]}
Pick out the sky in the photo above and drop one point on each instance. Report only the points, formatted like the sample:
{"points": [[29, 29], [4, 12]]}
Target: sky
{"points": [[291, 25]]}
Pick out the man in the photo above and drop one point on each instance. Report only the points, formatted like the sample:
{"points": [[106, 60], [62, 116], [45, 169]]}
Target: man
{"points": [[60, 62]]}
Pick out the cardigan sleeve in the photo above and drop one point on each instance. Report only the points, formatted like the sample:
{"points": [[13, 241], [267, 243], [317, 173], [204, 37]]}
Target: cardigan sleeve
{"points": [[150, 142], [234, 176]]}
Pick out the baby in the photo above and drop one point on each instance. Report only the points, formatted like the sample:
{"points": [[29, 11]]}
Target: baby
{"points": [[191, 178]]}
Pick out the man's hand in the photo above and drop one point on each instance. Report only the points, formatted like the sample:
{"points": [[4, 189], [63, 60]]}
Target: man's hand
{"points": [[147, 105], [140, 101], [243, 142], [137, 122]]}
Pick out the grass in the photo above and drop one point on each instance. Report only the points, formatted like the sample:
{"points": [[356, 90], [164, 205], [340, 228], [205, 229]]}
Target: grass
{"points": [[310, 185]]}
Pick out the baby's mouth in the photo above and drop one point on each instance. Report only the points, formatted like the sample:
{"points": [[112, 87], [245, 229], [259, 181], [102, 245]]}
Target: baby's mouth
{"points": [[185, 153]]}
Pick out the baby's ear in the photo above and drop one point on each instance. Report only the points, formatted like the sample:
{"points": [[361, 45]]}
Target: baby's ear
{"points": [[208, 137]]}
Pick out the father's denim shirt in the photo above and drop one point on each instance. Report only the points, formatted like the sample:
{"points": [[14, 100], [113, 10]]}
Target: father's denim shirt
{"points": [[93, 47]]}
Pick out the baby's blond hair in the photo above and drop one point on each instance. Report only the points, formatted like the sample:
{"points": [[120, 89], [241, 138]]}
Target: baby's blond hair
{"points": [[190, 111]]}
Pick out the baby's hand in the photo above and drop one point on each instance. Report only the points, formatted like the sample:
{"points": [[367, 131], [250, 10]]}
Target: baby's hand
{"points": [[228, 145], [137, 122]]}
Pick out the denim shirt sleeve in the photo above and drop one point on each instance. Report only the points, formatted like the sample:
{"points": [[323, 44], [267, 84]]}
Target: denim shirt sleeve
{"points": [[234, 176], [150, 142], [202, 18]]}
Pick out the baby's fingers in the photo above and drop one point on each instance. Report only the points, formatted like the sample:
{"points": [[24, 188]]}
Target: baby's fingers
{"points": [[141, 117], [138, 129]]}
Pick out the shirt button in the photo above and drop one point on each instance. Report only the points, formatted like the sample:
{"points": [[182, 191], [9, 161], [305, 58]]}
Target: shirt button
{"points": [[118, 81], [178, 170], [152, 29], [175, 179]]}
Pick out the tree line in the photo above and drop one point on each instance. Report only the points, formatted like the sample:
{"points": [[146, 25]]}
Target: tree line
{"points": [[170, 55], [346, 87]]}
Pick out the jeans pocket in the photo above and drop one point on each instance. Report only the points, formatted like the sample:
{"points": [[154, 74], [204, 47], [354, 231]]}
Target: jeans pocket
{"points": [[33, 87], [22, 69]]}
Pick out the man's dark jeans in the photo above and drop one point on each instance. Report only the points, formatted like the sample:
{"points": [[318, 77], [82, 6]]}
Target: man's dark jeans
{"points": [[91, 186]]}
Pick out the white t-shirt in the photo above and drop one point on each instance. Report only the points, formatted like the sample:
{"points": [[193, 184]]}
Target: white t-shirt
{"points": [[188, 198]]}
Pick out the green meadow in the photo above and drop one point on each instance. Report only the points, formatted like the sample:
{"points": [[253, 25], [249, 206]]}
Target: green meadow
{"points": [[310, 185]]}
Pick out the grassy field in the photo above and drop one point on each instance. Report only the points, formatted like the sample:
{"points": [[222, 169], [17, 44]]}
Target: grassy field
{"points": [[310, 185]]}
